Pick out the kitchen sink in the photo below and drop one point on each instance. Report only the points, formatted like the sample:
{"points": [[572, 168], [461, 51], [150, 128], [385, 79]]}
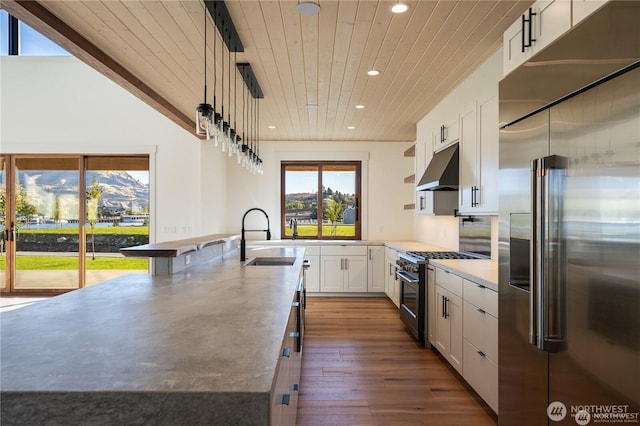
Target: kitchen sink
{"points": [[271, 261]]}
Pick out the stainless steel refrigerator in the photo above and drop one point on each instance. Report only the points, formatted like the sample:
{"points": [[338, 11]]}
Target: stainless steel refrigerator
{"points": [[569, 228]]}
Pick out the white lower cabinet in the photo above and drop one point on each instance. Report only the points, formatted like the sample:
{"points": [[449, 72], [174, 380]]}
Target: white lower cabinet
{"points": [[463, 327], [312, 274], [480, 331], [376, 282], [449, 326], [284, 392], [344, 269], [392, 285], [430, 328], [481, 372]]}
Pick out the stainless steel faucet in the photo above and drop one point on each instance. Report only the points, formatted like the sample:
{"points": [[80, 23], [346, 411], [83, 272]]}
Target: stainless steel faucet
{"points": [[243, 243], [293, 224]]}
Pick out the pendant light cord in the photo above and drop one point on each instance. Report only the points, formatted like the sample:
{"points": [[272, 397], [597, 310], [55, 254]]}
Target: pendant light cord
{"points": [[205, 54]]}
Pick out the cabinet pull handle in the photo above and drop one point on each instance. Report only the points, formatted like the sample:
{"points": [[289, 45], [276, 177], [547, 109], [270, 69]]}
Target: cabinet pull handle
{"points": [[446, 306], [481, 286], [482, 354], [529, 21], [482, 311], [524, 20], [443, 308], [286, 352], [294, 387], [531, 15], [285, 399]]}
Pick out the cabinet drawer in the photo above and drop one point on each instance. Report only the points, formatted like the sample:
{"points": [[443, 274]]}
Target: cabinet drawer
{"points": [[482, 374], [481, 329], [343, 250], [450, 281], [481, 296]]}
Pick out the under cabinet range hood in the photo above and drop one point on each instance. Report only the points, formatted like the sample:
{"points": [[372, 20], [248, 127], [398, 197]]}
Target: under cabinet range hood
{"points": [[442, 171]]}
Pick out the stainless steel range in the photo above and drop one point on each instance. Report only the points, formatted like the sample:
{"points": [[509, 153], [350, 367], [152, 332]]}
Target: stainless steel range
{"points": [[415, 272]]}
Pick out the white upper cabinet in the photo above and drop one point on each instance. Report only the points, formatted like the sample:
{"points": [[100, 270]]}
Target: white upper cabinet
{"points": [[447, 134], [468, 158], [584, 8], [541, 24], [478, 193]]}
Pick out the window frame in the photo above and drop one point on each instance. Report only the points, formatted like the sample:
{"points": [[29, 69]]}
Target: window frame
{"points": [[357, 164]]}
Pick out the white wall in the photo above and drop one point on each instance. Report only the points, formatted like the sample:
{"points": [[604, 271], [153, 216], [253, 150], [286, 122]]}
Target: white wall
{"points": [[384, 192], [443, 230], [60, 105]]}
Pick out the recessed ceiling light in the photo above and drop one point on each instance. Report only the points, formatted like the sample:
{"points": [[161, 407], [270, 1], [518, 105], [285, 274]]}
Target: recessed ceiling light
{"points": [[360, 106], [308, 8], [399, 8], [351, 127], [373, 72], [271, 126], [312, 106]]}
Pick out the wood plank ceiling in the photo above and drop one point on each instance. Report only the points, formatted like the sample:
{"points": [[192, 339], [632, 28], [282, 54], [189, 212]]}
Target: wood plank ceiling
{"points": [[298, 60]]}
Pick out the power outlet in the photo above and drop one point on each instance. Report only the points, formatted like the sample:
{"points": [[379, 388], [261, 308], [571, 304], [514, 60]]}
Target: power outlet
{"points": [[187, 259]]}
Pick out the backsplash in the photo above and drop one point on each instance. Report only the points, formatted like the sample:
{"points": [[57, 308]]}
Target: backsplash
{"points": [[444, 231]]}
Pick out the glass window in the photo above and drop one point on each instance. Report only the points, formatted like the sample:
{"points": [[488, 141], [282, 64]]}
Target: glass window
{"points": [[32, 43], [334, 186], [4, 33]]}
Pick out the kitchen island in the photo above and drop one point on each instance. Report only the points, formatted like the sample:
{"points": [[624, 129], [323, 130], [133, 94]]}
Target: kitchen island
{"points": [[194, 348]]}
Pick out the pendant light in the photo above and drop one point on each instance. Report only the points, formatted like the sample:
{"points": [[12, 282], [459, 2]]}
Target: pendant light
{"points": [[204, 111], [228, 129], [236, 134], [221, 123], [216, 115]]}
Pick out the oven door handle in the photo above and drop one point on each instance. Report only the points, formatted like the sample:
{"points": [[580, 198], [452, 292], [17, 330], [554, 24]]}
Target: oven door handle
{"points": [[407, 277]]}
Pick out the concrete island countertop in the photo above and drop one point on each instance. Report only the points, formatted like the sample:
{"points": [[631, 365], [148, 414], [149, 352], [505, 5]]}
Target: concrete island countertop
{"points": [[197, 347]]}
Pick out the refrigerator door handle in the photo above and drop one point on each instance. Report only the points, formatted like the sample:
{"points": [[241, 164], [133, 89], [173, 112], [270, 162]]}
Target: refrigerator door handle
{"points": [[547, 299]]}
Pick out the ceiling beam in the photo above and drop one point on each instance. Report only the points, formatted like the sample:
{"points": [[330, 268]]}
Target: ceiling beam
{"points": [[39, 18]]}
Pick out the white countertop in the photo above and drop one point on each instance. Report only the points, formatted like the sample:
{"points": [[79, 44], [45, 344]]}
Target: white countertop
{"points": [[480, 271]]}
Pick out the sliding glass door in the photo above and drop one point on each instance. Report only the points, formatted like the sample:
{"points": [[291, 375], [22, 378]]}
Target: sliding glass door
{"points": [[46, 214], [117, 215], [3, 224], [64, 218]]}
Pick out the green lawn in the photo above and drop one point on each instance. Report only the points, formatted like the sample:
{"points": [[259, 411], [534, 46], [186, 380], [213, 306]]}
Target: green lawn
{"points": [[71, 262], [312, 230], [104, 230]]}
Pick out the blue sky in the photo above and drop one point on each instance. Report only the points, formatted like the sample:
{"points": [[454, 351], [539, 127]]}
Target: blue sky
{"points": [[306, 182]]}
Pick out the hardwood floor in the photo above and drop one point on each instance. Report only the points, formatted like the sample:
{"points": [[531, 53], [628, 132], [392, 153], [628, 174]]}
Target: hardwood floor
{"points": [[360, 367]]}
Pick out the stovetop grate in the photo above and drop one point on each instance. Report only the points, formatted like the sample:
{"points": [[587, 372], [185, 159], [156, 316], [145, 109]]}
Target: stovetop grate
{"points": [[442, 255]]}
